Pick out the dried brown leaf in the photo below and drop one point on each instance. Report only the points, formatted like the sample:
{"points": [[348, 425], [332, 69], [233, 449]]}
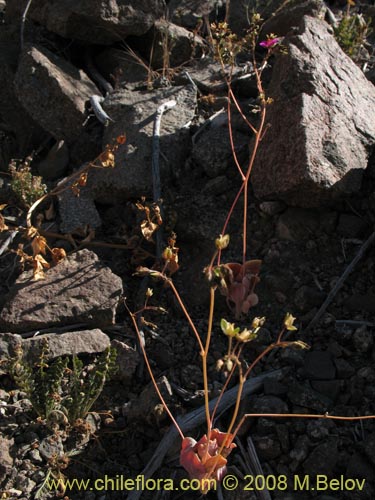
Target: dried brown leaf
{"points": [[31, 232], [107, 158], [39, 245], [148, 228], [3, 226], [39, 264], [58, 254]]}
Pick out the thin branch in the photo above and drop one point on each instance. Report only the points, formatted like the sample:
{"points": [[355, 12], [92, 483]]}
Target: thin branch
{"points": [[23, 20]]}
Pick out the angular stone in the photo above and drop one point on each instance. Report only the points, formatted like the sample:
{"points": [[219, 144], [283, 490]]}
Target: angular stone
{"points": [[319, 366], [303, 395], [167, 39], [133, 114], [8, 343], [363, 339], [77, 212], [322, 459], [188, 12], [6, 461], [54, 92], [294, 223], [323, 122], [217, 160], [308, 297], [66, 344], [127, 361], [329, 388], [78, 290], [95, 21], [119, 64]]}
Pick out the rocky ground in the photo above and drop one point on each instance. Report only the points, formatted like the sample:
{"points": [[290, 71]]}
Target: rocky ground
{"points": [[311, 221]]}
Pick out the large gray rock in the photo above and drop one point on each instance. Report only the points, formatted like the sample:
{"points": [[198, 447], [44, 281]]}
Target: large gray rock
{"points": [[66, 344], [78, 290], [95, 21], [323, 122], [133, 114], [170, 45], [188, 13], [54, 92]]}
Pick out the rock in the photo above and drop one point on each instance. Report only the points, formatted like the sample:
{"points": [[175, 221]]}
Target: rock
{"points": [[274, 388], [323, 122], [363, 340], [8, 343], [319, 366], [120, 66], [148, 400], [329, 388], [133, 113], [94, 21], [66, 344], [207, 74], [77, 212], [294, 223], [127, 361], [301, 449], [307, 298], [290, 15], [167, 45], [318, 429], [50, 447], [344, 369], [6, 460], [293, 357], [216, 161], [54, 92], [361, 302], [216, 186], [272, 207], [322, 459], [189, 12], [56, 162], [78, 290], [351, 226], [279, 16], [25, 484], [369, 447], [360, 468], [266, 404], [268, 447], [303, 395]]}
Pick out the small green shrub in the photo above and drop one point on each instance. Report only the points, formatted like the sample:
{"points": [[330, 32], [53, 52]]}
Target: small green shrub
{"points": [[352, 32], [27, 187], [53, 388]]}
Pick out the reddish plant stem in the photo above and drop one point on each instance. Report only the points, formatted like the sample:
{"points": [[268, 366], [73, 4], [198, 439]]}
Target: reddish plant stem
{"points": [[133, 318], [299, 415], [187, 315]]}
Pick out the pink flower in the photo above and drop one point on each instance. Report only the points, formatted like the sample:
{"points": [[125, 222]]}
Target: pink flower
{"points": [[269, 43], [201, 459]]}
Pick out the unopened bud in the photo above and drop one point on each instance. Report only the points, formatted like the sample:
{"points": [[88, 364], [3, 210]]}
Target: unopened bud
{"points": [[222, 241]]}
